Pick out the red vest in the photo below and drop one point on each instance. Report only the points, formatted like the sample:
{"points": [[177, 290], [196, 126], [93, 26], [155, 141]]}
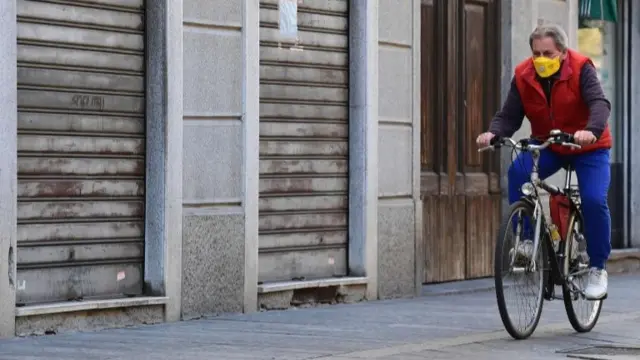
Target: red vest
{"points": [[568, 111]]}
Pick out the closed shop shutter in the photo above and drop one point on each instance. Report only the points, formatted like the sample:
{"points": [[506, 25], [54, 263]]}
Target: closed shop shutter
{"points": [[81, 149], [304, 143]]}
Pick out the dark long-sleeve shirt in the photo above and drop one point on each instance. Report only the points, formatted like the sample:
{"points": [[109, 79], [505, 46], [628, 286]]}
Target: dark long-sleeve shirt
{"points": [[509, 119]]}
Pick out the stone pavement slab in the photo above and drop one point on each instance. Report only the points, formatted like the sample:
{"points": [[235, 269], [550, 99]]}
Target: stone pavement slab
{"points": [[455, 326], [551, 342]]}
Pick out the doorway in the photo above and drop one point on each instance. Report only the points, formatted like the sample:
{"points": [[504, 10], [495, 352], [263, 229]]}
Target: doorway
{"points": [[460, 93]]}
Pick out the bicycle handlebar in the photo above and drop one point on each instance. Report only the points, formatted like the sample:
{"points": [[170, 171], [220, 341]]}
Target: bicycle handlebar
{"points": [[557, 137]]}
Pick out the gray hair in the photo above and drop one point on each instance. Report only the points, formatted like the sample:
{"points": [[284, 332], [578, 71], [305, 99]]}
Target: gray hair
{"points": [[553, 31]]}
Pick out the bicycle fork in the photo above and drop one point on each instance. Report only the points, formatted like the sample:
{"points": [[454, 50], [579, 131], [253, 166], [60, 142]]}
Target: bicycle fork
{"points": [[537, 215]]}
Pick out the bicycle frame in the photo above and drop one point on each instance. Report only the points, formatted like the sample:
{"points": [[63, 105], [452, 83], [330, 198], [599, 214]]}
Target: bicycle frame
{"points": [[558, 275], [534, 197]]}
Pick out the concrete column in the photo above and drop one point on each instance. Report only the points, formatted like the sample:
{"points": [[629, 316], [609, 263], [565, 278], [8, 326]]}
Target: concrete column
{"points": [[251, 148], [572, 23], [634, 128], [363, 142], [163, 242], [8, 171], [214, 240], [507, 28], [416, 63], [173, 159], [627, 98], [399, 222]]}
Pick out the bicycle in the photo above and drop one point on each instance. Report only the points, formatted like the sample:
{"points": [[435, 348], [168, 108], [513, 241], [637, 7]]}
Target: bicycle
{"points": [[559, 261]]}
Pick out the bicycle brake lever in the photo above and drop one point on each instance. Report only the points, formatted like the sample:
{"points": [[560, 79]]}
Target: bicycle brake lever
{"points": [[486, 148], [571, 145]]}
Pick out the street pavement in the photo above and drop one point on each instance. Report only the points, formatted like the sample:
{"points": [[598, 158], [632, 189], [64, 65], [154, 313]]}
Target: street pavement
{"points": [[453, 326]]}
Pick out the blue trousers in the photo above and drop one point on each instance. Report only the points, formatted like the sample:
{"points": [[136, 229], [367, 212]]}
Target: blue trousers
{"points": [[594, 176]]}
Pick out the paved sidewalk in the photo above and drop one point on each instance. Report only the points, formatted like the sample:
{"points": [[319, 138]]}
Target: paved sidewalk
{"points": [[457, 326]]}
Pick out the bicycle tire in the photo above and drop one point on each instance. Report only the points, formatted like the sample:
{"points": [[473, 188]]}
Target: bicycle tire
{"points": [[498, 271], [577, 325]]}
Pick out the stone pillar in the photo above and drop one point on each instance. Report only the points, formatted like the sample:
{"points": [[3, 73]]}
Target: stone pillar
{"points": [[8, 171], [507, 28], [399, 207], [219, 114], [363, 143], [634, 128], [251, 146], [163, 241]]}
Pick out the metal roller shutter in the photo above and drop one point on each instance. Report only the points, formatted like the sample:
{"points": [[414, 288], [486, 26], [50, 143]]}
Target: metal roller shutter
{"points": [[81, 149], [304, 143]]}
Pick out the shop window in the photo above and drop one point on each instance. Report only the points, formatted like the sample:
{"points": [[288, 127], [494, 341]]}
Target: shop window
{"points": [[598, 43], [599, 38]]}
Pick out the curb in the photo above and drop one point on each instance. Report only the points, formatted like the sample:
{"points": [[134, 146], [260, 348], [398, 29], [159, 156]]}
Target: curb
{"points": [[459, 287], [624, 261], [621, 262]]}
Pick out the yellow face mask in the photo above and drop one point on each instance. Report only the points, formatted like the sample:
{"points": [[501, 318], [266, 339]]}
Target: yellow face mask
{"points": [[545, 66]]}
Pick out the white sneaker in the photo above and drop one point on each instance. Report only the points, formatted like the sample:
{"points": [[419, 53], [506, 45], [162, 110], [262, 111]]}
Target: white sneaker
{"points": [[523, 254], [598, 283]]}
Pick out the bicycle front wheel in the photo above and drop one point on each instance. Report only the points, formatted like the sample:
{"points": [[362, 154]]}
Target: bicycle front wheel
{"points": [[517, 274], [583, 314]]}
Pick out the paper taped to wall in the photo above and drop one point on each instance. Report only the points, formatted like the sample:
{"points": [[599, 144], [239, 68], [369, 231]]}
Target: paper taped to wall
{"points": [[288, 22]]}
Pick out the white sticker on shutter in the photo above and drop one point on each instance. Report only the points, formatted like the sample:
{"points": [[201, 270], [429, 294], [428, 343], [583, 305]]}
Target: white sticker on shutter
{"points": [[288, 19]]}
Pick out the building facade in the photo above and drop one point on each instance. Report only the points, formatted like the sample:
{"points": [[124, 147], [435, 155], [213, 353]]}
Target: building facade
{"points": [[176, 159], [172, 159]]}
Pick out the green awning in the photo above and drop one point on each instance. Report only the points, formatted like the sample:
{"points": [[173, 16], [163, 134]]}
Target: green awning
{"points": [[602, 10]]}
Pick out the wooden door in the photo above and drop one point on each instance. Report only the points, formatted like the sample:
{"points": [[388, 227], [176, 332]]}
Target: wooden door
{"points": [[460, 93]]}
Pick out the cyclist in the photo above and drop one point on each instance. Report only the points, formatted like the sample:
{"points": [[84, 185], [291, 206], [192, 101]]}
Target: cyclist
{"points": [[558, 88]]}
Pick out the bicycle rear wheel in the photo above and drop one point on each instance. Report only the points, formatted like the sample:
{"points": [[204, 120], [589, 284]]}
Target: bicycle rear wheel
{"points": [[583, 314], [520, 323]]}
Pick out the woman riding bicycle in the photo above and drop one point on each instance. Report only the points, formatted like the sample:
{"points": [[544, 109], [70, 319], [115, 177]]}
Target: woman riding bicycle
{"points": [[558, 88]]}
